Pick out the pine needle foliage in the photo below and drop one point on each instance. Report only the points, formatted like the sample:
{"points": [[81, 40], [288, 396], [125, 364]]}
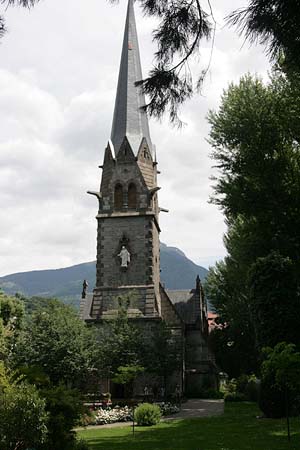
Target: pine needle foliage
{"points": [[274, 24], [182, 25]]}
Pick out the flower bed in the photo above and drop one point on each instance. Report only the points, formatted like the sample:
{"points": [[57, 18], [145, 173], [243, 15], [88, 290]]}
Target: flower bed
{"points": [[168, 408], [121, 414]]}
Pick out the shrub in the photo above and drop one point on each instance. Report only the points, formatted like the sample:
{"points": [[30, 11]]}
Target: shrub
{"points": [[65, 407], [249, 386], [81, 445], [241, 383], [252, 389], [204, 393], [234, 397], [147, 414], [280, 382], [23, 420], [168, 408], [271, 399]]}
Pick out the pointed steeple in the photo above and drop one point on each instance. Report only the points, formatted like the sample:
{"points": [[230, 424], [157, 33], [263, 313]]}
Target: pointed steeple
{"points": [[129, 120]]}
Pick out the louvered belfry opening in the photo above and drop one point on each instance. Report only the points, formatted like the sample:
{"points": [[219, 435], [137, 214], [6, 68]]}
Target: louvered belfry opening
{"points": [[118, 200], [132, 196]]}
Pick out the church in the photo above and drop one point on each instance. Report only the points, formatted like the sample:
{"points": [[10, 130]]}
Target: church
{"points": [[128, 247]]}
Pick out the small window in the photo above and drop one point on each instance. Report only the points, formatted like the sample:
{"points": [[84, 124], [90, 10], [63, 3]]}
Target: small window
{"points": [[132, 196], [118, 197]]}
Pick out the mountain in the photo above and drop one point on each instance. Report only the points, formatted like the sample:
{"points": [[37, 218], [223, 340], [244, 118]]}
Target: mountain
{"points": [[177, 272]]}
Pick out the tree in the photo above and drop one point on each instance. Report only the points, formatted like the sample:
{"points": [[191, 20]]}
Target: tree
{"points": [[233, 340], [162, 352], [23, 417], [34, 303], [119, 342], [274, 24], [182, 27], [126, 375], [11, 322], [255, 138], [275, 300], [64, 407], [24, 3], [58, 342], [280, 372], [125, 349], [11, 311]]}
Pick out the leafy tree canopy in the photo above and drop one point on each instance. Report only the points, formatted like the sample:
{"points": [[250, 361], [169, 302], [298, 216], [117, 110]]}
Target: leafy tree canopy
{"points": [[23, 419], [11, 321], [58, 342], [11, 310], [275, 300], [233, 340], [118, 343], [255, 140], [283, 361]]}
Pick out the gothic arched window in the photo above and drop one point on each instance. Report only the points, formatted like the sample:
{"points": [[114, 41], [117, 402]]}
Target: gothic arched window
{"points": [[132, 196], [118, 196]]}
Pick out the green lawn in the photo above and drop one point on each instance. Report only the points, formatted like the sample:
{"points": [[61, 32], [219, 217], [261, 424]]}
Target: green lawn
{"points": [[238, 429]]}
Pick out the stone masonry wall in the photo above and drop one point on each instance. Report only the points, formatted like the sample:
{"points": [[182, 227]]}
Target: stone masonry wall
{"points": [[111, 231]]}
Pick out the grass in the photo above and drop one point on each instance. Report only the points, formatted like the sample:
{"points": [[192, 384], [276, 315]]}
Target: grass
{"points": [[237, 429]]}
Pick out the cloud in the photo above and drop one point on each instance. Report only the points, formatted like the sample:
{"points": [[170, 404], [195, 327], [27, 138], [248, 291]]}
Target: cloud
{"points": [[59, 69], [85, 124]]}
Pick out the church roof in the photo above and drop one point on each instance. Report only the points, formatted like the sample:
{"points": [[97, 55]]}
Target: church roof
{"points": [[178, 295], [129, 120]]}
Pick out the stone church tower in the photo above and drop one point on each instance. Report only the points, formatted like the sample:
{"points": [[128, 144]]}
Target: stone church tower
{"points": [[128, 255], [128, 229]]}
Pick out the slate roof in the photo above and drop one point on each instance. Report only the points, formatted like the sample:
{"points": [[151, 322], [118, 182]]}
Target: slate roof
{"points": [[179, 295], [129, 120], [186, 304]]}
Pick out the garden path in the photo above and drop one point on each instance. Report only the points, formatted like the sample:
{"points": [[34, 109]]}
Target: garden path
{"points": [[194, 408]]}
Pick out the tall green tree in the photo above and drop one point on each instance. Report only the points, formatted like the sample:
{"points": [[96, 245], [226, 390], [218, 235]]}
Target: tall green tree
{"points": [[57, 341], [233, 340], [23, 418], [255, 140], [275, 300], [162, 352], [125, 349], [280, 381], [119, 342], [11, 322]]}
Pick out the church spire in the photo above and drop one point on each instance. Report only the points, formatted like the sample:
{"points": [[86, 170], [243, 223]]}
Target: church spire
{"points": [[129, 120]]}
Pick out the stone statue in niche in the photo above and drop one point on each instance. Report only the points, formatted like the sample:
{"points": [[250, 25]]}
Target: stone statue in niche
{"points": [[125, 256]]}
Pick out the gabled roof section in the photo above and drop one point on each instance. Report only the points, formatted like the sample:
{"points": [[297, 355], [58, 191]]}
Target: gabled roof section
{"points": [[129, 120]]}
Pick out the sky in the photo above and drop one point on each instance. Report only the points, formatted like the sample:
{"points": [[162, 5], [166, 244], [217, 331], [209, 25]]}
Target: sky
{"points": [[59, 66]]}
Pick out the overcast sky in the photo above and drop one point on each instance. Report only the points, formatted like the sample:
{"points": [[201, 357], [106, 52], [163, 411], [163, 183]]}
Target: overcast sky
{"points": [[58, 75]]}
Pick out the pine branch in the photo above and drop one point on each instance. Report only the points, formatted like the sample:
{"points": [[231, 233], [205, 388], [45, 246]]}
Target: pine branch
{"points": [[24, 3], [183, 25], [2, 26]]}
